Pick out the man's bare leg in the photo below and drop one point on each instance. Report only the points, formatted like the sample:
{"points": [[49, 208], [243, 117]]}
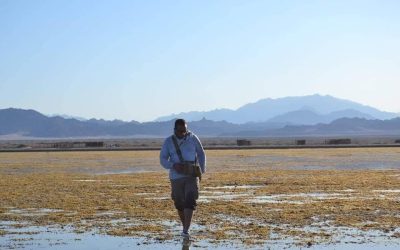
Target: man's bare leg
{"points": [[182, 217], [188, 214]]}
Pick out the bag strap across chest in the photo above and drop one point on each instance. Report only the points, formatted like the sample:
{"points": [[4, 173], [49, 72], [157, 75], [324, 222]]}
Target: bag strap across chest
{"points": [[178, 150]]}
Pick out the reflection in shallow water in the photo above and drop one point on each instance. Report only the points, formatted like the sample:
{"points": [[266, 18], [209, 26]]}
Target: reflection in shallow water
{"points": [[186, 243]]}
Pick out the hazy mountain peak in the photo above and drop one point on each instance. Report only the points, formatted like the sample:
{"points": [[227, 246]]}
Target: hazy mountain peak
{"points": [[68, 117], [265, 109]]}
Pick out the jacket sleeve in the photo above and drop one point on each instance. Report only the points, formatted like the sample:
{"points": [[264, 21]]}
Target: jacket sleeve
{"points": [[201, 156], [165, 159]]}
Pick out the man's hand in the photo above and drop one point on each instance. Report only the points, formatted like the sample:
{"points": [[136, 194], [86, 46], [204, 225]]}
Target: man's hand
{"points": [[178, 167]]}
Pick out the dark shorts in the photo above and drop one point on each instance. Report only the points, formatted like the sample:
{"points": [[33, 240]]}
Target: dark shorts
{"points": [[185, 192]]}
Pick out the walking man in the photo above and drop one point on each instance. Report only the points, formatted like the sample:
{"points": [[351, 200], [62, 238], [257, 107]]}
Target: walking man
{"points": [[183, 155]]}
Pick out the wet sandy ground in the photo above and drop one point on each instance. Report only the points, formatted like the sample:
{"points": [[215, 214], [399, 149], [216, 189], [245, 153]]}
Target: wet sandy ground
{"points": [[36, 237], [323, 198]]}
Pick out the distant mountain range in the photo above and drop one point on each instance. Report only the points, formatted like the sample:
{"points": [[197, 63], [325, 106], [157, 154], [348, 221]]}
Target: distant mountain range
{"points": [[20, 124], [339, 127], [308, 115], [312, 109]]}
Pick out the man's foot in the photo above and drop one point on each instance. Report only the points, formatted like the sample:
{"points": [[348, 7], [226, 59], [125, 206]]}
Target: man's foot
{"points": [[185, 235]]}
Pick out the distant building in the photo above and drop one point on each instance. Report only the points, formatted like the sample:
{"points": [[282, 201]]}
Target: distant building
{"points": [[70, 144], [94, 144], [67, 145], [338, 141], [300, 142], [243, 142]]}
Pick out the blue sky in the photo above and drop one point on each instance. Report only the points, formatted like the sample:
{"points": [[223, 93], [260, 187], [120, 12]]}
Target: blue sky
{"points": [[137, 60]]}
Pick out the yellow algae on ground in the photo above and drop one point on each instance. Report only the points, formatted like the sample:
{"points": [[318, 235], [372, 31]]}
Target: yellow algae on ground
{"points": [[246, 195]]}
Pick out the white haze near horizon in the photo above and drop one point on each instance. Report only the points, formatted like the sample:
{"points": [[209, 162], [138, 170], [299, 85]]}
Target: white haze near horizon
{"points": [[138, 60]]}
